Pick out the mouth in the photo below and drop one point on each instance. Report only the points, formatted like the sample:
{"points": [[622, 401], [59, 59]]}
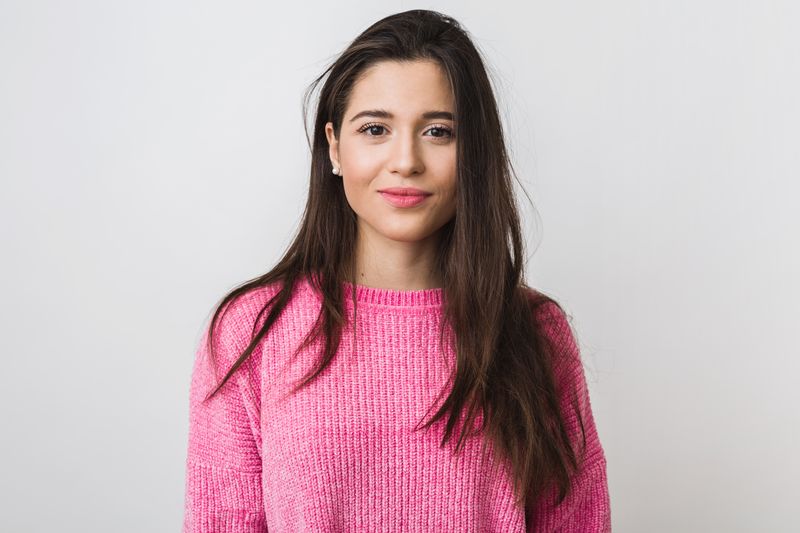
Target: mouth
{"points": [[405, 191], [404, 199]]}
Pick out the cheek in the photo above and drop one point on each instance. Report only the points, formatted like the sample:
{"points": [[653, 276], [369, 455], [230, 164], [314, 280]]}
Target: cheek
{"points": [[449, 184], [357, 192], [449, 209], [358, 157], [359, 169]]}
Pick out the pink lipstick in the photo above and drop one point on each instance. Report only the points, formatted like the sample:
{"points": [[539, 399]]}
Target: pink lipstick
{"points": [[404, 196]]}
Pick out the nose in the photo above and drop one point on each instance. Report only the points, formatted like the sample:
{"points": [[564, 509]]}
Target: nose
{"points": [[405, 158]]}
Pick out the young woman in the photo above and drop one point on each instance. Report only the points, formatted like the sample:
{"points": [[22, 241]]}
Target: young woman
{"points": [[402, 295]]}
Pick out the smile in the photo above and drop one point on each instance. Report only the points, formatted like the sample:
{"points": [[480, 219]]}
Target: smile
{"points": [[404, 200]]}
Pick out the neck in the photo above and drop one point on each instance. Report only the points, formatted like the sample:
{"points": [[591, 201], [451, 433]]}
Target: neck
{"points": [[401, 265]]}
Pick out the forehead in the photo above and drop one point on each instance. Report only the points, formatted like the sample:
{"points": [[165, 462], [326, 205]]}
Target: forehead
{"points": [[405, 88]]}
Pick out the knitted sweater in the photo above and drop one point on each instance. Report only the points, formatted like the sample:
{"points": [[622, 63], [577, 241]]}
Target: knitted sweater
{"points": [[341, 454]]}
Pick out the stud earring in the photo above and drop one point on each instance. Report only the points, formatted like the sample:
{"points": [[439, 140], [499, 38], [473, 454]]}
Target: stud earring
{"points": [[336, 171]]}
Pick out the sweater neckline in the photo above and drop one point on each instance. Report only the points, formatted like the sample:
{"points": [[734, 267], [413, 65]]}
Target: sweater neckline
{"points": [[394, 297]]}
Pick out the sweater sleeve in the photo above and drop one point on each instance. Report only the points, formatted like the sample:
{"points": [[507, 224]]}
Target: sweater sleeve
{"points": [[223, 490], [586, 508]]}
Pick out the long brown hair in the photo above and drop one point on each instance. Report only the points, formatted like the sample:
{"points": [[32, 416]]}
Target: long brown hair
{"points": [[504, 367]]}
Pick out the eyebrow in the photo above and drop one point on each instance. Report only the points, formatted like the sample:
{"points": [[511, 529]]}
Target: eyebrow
{"points": [[382, 113]]}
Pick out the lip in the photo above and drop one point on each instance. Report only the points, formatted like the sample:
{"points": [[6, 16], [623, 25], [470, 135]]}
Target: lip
{"points": [[407, 197], [405, 191]]}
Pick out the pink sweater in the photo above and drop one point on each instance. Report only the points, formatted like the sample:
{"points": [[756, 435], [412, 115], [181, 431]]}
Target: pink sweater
{"points": [[341, 455]]}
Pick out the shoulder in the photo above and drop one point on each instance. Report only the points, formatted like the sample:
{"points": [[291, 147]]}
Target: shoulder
{"points": [[554, 326], [235, 319], [238, 314], [547, 313]]}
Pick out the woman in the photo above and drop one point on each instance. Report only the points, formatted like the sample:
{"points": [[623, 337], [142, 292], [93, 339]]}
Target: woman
{"points": [[402, 294]]}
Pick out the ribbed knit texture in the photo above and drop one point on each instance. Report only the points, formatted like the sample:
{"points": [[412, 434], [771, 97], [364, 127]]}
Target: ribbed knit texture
{"points": [[341, 454]]}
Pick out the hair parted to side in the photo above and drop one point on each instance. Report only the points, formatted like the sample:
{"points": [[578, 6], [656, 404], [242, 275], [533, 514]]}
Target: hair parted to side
{"points": [[505, 371]]}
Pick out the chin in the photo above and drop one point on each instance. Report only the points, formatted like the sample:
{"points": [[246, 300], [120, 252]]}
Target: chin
{"points": [[407, 236]]}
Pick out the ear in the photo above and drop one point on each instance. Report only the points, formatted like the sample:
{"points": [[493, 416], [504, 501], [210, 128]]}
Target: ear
{"points": [[333, 145]]}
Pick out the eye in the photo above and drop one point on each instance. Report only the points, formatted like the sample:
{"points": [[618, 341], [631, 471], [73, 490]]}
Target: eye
{"points": [[444, 131], [370, 127]]}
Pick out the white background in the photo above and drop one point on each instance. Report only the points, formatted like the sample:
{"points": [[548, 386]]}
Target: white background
{"points": [[152, 156]]}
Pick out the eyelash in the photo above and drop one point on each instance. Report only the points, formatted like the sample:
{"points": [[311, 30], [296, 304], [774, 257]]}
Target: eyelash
{"points": [[370, 125]]}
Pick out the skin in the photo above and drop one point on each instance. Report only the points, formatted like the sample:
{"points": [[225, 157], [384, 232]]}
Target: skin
{"points": [[396, 247]]}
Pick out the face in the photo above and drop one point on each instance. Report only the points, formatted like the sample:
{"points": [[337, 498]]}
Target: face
{"points": [[397, 132]]}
